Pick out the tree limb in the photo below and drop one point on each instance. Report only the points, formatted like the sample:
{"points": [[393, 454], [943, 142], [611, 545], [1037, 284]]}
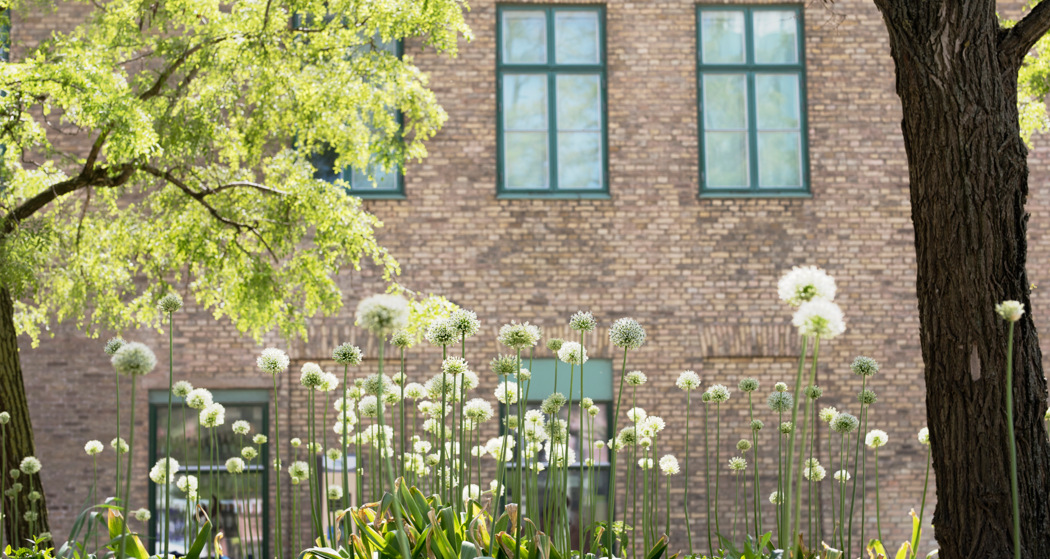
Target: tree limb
{"points": [[1015, 43], [162, 78], [246, 184], [100, 176]]}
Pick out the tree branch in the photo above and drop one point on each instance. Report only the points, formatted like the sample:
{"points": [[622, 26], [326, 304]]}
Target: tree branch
{"points": [[246, 184], [154, 90], [199, 196], [1019, 39], [100, 176]]}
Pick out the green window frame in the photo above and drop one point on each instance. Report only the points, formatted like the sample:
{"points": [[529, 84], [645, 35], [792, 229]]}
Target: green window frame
{"points": [[250, 405], [751, 85], [552, 123], [387, 184]]}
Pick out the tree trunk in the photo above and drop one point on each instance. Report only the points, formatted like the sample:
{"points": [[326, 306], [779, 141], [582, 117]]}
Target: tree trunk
{"points": [[18, 434], [969, 182]]}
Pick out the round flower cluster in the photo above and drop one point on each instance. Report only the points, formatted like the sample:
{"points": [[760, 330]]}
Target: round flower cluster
{"points": [[273, 361], [554, 344], [163, 472], [401, 339], [756, 425], [748, 384], [113, 345], [188, 484], [199, 398], [241, 427], [814, 471], [845, 423], [299, 471], [213, 415], [505, 365], [441, 333], [478, 410], [828, 414], [787, 427], [780, 387], [864, 366], [1010, 311], [737, 464], [519, 336], [335, 492], [688, 380], [93, 448], [572, 353], [626, 333], [780, 402], [805, 283], [841, 476], [669, 465], [814, 392], [776, 498], [876, 438], [743, 445], [30, 465], [454, 366], [719, 393], [552, 404], [507, 393], [235, 465], [170, 303], [181, 389], [583, 322], [135, 359], [249, 453], [142, 515], [259, 439], [636, 378], [382, 314], [119, 445], [924, 436], [312, 376], [867, 397], [819, 317], [464, 322], [347, 354]]}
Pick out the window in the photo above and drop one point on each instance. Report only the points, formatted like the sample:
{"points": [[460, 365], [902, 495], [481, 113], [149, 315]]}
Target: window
{"points": [[550, 67], [598, 387], [752, 101], [243, 512], [383, 183]]}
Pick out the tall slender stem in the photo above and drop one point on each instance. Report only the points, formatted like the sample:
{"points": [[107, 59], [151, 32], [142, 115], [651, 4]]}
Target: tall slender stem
{"points": [[878, 507], [718, 462], [346, 459], [612, 458], [3, 481], [167, 434], [688, 445], [121, 547], [796, 522], [579, 428], [521, 458], [116, 485], [707, 482], [402, 540], [856, 458], [280, 466], [754, 443], [1012, 440], [922, 507], [786, 499]]}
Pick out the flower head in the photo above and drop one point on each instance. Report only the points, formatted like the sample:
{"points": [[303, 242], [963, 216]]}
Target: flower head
{"points": [[554, 344], [583, 321], [477, 410], [299, 470], [273, 361], [876, 438], [719, 393], [507, 392], [312, 376], [93, 448], [776, 498], [845, 423], [814, 392], [415, 391], [669, 465], [626, 333], [181, 389], [249, 453], [335, 492], [819, 317], [688, 380], [163, 472], [134, 359], [780, 387], [464, 322], [213, 415], [743, 445], [199, 398], [170, 303], [518, 336], [1010, 311], [636, 378], [142, 515], [552, 404], [347, 354], [814, 472], [924, 436], [30, 465], [401, 339], [504, 365], [572, 353], [119, 445], [114, 344], [780, 402], [259, 439], [867, 397], [454, 366], [382, 314], [241, 427], [787, 427], [636, 414], [748, 384], [756, 425], [235, 465], [864, 366], [187, 484], [841, 476], [441, 333], [827, 415], [296, 442], [805, 283], [737, 464]]}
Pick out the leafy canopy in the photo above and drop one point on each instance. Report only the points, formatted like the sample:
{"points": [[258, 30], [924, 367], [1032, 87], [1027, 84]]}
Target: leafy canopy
{"points": [[168, 142]]}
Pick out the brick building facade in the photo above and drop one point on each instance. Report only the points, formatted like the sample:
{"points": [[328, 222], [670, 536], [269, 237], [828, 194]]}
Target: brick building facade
{"points": [[698, 271]]}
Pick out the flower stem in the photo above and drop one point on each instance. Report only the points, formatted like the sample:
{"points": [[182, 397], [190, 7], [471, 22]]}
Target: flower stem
{"points": [[922, 507], [612, 458], [718, 463], [754, 443], [277, 450], [856, 458], [688, 445], [579, 500], [1011, 439], [796, 522], [398, 521], [785, 506], [707, 481], [878, 508], [167, 435], [521, 459], [346, 459], [127, 482]]}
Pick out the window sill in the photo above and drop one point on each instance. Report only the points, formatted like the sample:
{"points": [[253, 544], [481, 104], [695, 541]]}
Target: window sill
{"points": [[379, 195], [553, 195], [717, 194]]}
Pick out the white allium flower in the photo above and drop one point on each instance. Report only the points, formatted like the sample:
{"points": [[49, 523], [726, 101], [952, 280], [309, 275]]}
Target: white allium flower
{"points": [[119, 445], [454, 366], [645, 463], [382, 315], [296, 442], [492, 488], [653, 424], [845, 423], [401, 339], [743, 445], [249, 453], [259, 439], [737, 464], [819, 317], [719, 393], [814, 472], [464, 322], [169, 303], [142, 515], [827, 415], [199, 398], [780, 402], [507, 393], [30, 465], [572, 353], [181, 389], [299, 470], [134, 359], [478, 410], [235, 465], [440, 333], [626, 333], [748, 384], [93, 448], [636, 414], [333, 454], [776, 498], [213, 415], [1010, 311], [312, 376], [415, 391], [421, 447], [241, 427], [636, 378], [519, 336], [688, 380], [864, 366], [841, 476], [471, 492], [273, 361], [163, 472], [347, 354], [805, 283], [582, 322], [924, 436], [876, 438], [780, 387], [113, 345], [329, 382], [335, 492], [669, 465]]}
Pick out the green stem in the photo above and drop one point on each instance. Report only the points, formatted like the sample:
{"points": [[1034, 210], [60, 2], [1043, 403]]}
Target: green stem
{"points": [[442, 464], [718, 462], [167, 435], [707, 481], [922, 507], [127, 481], [634, 474], [878, 508], [780, 480], [1014, 493], [461, 461], [856, 459], [688, 445], [401, 405], [323, 479], [116, 485], [788, 493], [843, 456], [831, 466], [520, 460], [346, 459], [402, 540], [612, 458], [277, 450], [796, 522], [3, 482], [756, 490]]}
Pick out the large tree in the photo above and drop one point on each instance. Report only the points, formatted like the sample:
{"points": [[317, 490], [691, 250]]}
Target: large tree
{"points": [[198, 119], [957, 78]]}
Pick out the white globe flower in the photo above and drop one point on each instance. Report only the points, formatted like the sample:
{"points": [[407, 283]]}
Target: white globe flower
{"points": [[805, 283], [819, 317]]}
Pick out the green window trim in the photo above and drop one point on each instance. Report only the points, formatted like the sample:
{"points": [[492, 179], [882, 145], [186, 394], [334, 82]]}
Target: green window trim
{"points": [[550, 69], [747, 68]]}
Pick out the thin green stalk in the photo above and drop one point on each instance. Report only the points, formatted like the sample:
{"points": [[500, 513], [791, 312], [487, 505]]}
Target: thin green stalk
{"points": [[116, 484], [787, 494], [842, 491], [3, 481], [295, 514], [878, 508], [856, 459], [462, 419], [718, 461], [94, 496], [581, 458], [1012, 440], [398, 521], [796, 521], [167, 433], [442, 482], [127, 481], [312, 481], [634, 474], [707, 481], [612, 458], [831, 465], [632, 484], [186, 448], [688, 445], [277, 450], [667, 504], [520, 460], [864, 479], [565, 455], [780, 480], [346, 435], [756, 490], [324, 478], [401, 405], [922, 507]]}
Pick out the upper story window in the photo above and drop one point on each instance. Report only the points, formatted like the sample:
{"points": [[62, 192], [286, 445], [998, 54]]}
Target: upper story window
{"points": [[550, 67], [751, 71], [373, 181]]}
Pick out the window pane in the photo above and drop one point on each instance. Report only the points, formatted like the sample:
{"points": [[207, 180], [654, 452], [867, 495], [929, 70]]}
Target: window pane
{"points": [[525, 159], [723, 37], [777, 98], [778, 159], [239, 518], [384, 180], [725, 158], [775, 35], [576, 37], [525, 102], [579, 102], [579, 160], [524, 37], [725, 102]]}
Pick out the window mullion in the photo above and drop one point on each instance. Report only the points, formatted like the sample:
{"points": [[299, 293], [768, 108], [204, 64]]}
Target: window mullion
{"points": [[552, 106], [752, 102]]}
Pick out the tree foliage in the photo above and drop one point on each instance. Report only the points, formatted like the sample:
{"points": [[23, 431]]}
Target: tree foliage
{"points": [[191, 124]]}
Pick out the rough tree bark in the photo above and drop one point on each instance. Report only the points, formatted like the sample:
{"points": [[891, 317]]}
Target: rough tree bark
{"points": [[18, 434], [956, 71]]}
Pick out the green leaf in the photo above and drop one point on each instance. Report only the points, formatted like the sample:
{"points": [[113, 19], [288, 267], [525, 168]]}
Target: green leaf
{"points": [[200, 541], [132, 545]]}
